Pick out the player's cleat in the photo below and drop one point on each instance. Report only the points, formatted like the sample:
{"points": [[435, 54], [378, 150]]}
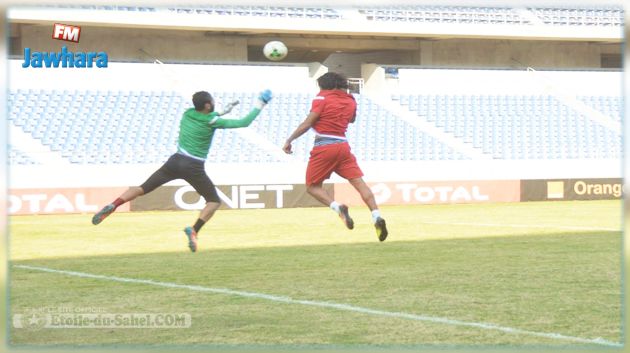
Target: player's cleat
{"points": [[381, 229], [102, 214], [192, 238], [345, 216]]}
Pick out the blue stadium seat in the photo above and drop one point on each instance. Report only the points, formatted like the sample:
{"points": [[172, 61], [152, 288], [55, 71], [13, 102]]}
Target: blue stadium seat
{"points": [[141, 127], [513, 127]]}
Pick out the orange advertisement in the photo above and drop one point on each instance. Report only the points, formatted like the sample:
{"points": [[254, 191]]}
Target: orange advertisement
{"points": [[434, 192]]}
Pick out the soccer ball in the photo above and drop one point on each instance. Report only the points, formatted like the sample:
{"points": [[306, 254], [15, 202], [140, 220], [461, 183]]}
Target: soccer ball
{"points": [[275, 50]]}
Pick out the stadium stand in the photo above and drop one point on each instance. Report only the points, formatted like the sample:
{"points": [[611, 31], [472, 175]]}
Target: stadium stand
{"points": [[446, 14], [591, 16], [141, 127], [17, 157], [596, 15], [522, 126], [103, 7], [561, 16], [380, 135], [133, 127], [223, 10], [264, 11], [609, 105], [377, 135], [137, 127]]}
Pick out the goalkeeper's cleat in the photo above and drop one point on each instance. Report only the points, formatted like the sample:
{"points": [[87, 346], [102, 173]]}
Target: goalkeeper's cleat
{"points": [[192, 238], [102, 214], [381, 229], [265, 96], [345, 216]]}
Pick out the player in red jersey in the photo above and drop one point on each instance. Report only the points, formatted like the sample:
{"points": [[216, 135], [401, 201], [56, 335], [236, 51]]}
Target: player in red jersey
{"points": [[331, 112]]}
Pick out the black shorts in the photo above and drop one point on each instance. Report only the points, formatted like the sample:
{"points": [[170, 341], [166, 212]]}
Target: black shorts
{"points": [[179, 166]]}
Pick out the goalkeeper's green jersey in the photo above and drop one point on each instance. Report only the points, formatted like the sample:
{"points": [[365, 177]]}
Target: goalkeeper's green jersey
{"points": [[196, 130]]}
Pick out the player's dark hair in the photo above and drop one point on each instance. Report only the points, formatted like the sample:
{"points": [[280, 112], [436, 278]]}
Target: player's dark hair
{"points": [[201, 98], [332, 80]]}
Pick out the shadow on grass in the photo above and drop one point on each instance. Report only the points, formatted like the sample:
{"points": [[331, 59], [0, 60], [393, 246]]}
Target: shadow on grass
{"points": [[565, 282], [467, 251]]}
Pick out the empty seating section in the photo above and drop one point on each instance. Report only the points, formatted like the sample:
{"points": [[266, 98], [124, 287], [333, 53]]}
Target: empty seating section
{"points": [[376, 135], [522, 126], [445, 14], [90, 127], [224, 10], [264, 11], [114, 127], [379, 135], [285, 113], [104, 7], [577, 16], [17, 157], [595, 15], [608, 105]]}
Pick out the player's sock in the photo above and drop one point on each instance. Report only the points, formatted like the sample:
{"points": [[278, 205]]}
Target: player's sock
{"points": [[335, 206], [376, 214], [198, 225], [118, 202]]}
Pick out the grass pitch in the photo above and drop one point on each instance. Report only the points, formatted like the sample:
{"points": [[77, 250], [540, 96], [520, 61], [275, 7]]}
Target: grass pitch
{"points": [[552, 268]]}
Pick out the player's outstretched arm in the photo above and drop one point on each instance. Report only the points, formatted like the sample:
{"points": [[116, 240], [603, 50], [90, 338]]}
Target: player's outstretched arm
{"points": [[263, 99], [228, 108], [300, 130]]}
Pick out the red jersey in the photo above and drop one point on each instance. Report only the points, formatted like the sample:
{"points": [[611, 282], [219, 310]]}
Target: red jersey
{"points": [[336, 109]]}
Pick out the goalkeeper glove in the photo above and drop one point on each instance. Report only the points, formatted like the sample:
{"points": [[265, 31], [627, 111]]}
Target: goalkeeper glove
{"points": [[265, 96]]}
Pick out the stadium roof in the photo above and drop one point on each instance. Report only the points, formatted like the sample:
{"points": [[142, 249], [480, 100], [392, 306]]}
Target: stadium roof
{"points": [[580, 23]]}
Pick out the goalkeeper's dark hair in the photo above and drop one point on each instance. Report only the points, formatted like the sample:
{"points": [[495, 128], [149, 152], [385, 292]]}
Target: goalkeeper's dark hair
{"points": [[332, 80], [201, 98]]}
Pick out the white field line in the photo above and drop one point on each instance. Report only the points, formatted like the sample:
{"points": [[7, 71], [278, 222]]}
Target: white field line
{"points": [[543, 226], [324, 304]]}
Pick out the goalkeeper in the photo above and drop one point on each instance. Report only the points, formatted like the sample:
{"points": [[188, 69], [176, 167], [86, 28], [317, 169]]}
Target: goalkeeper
{"points": [[196, 130]]}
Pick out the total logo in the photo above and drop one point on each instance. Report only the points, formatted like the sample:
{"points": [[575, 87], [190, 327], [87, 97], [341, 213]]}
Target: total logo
{"points": [[45, 202], [411, 193]]}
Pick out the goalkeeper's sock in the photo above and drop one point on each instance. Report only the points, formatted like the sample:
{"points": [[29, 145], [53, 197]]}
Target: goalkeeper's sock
{"points": [[118, 202], [198, 225], [335, 206]]}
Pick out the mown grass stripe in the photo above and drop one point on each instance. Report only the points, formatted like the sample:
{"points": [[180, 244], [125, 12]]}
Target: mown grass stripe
{"points": [[324, 304]]}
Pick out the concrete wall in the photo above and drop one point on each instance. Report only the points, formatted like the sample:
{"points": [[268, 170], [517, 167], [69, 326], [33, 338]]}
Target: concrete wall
{"points": [[185, 79], [504, 53], [348, 52], [350, 63], [124, 44]]}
